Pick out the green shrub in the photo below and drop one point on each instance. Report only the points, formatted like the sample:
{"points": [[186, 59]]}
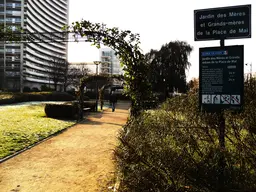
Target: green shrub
{"points": [[90, 94], [25, 97], [150, 105], [46, 88], [35, 89], [71, 92], [176, 148], [26, 89], [86, 98], [59, 96], [90, 104], [37, 96], [61, 111], [7, 101]]}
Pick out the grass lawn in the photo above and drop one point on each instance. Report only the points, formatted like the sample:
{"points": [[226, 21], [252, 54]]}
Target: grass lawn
{"points": [[25, 125]]}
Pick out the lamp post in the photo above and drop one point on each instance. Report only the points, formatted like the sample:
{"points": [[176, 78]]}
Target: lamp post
{"points": [[97, 92], [97, 63]]}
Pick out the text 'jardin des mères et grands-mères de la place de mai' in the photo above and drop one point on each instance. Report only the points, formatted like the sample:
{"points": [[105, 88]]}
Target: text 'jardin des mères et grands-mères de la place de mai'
{"points": [[221, 71]]}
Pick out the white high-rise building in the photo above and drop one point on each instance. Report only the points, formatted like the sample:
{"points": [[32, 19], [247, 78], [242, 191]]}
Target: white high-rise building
{"points": [[29, 64], [111, 63]]}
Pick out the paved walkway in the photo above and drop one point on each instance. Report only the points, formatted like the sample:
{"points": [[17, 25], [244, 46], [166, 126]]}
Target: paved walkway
{"points": [[80, 159]]}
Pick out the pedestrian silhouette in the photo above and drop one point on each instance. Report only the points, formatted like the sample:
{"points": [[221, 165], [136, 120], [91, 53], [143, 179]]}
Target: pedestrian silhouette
{"points": [[113, 101]]}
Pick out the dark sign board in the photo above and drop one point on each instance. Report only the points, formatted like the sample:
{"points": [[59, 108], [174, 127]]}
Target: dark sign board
{"points": [[221, 78], [223, 23]]}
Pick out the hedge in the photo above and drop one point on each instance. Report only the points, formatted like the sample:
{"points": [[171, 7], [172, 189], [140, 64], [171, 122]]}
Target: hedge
{"points": [[37, 96], [175, 148], [90, 104], [62, 111]]}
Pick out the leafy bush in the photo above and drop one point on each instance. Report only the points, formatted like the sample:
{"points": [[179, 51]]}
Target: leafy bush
{"points": [[7, 101], [35, 89], [176, 148], [37, 96], [90, 104], [90, 94], [71, 92], [62, 111], [26, 89], [86, 98], [46, 88], [25, 97], [59, 96], [150, 104]]}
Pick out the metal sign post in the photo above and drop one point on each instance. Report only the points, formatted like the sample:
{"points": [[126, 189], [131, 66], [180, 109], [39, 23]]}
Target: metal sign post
{"points": [[221, 69]]}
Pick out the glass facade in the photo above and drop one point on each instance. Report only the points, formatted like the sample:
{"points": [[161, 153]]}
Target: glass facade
{"points": [[29, 64]]}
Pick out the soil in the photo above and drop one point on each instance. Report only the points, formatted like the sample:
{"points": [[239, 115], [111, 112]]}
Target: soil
{"points": [[79, 159]]}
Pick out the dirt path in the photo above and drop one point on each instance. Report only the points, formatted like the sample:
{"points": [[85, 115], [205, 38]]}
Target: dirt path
{"points": [[80, 159]]}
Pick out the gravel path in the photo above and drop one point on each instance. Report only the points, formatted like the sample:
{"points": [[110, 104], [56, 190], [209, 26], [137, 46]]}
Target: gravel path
{"points": [[80, 159]]}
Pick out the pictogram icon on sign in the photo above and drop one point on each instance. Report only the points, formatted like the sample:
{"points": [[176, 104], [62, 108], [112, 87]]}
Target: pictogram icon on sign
{"points": [[235, 99], [215, 99], [206, 99], [225, 99]]}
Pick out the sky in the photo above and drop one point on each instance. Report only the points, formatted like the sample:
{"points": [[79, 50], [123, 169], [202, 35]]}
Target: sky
{"points": [[157, 22]]}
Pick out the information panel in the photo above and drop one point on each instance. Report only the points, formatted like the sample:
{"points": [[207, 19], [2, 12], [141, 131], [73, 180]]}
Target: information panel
{"points": [[223, 23], [221, 78]]}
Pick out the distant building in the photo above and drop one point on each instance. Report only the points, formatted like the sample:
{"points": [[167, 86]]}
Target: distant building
{"points": [[29, 64], [111, 63]]}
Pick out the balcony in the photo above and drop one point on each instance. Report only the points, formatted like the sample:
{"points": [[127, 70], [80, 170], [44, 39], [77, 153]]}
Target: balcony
{"points": [[12, 73], [105, 66]]}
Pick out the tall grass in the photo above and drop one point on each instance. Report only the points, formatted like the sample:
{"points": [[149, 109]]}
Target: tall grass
{"points": [[176, 148]]}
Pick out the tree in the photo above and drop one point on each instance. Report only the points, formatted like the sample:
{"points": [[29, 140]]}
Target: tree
{"points": [[154, 70], [95, 78], [73, 74], [193, 84], [126, 46], [57, 68], [167, 67]]}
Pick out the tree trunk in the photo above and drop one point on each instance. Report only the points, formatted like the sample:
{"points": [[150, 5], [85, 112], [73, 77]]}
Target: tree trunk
{"points": [[81, 102]]}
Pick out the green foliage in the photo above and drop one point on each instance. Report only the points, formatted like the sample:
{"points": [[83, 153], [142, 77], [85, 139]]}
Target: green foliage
{"points": [[59, 96], [90, 104], [126, 46], [167, 67], [106, 80], [61, 111], [176, 148], [46, 88], [23, 126], [72, 75], [26, 89], [9, 98], [35, 89]]}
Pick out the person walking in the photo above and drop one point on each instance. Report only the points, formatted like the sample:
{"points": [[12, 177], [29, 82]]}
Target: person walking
{"points": [[113, 101]]}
